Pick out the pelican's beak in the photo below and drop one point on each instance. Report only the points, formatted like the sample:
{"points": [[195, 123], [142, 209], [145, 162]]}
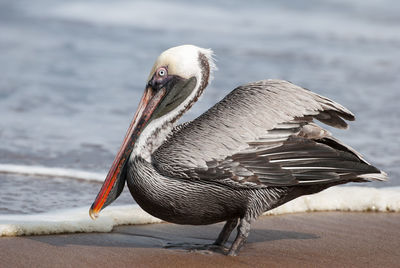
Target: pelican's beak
{"points": [[115, 180]]}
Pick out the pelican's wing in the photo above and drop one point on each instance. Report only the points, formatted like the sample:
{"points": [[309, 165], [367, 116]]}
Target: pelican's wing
{"points": [[263, 133]]}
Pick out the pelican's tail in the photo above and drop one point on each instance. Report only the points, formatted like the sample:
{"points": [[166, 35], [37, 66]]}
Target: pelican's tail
{"points": [[382, 176]]}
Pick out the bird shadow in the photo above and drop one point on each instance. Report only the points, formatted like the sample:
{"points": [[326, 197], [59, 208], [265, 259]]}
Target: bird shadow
{"points": [[168, 236]]}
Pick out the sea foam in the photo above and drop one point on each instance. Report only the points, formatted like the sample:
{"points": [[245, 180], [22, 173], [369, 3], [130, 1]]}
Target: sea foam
{"points": [[77, 220], [52, 172]]}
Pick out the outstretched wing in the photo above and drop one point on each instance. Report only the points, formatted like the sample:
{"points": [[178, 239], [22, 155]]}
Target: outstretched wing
{"points": [[263, 133]]}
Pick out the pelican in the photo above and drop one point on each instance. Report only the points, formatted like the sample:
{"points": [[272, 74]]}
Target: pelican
{"points": [[256, 149]]}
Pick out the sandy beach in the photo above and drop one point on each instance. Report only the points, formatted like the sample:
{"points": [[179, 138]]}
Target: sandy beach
{"points": [[325, 239]]}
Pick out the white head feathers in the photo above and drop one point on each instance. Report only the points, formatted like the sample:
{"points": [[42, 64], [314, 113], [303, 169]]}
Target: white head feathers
{"points": [[184, 61]]}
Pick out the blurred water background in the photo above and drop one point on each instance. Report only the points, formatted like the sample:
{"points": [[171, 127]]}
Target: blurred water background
{"points": [[72, 73]]}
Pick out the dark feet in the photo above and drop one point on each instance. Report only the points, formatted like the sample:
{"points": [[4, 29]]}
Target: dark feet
{"points": [[218, 246], [199, 248]]}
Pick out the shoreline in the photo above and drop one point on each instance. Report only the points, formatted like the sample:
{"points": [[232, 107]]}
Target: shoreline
{"points": [[295, 240]]}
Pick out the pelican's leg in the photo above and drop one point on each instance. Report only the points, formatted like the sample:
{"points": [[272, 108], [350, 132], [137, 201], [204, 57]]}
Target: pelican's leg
{"points": [[226, 232], [243, 231]]}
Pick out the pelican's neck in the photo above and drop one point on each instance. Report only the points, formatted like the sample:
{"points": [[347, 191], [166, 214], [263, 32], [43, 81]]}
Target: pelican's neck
{"points": [[151, 138], [156, 132]]}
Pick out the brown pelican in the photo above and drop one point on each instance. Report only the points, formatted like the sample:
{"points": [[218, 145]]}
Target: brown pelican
{"points": [[256, 149]]}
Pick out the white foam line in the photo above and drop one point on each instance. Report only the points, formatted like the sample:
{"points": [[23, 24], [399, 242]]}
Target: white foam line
{"points": [[51, 172], [77, 220], [345, 198]]}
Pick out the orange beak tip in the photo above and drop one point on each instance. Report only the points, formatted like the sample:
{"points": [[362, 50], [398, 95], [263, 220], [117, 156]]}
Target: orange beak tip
{"points": [[94, 215]]}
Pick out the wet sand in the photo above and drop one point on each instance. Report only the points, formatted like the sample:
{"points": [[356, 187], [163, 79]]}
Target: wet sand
{"points": [[327, 239]]}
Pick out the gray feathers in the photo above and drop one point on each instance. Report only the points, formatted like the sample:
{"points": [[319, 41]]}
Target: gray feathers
{"points": [[263, 133]]}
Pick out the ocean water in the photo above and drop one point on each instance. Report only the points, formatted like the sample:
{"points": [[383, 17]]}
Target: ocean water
{"points": [[72, 73]]}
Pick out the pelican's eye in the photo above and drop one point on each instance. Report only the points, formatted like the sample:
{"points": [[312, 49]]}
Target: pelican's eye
{"points": [[162, 72], [160, 78]]}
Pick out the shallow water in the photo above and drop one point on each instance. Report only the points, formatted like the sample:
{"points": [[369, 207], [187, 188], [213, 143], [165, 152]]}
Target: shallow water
{"points": [[72, 74], [33, 194]]}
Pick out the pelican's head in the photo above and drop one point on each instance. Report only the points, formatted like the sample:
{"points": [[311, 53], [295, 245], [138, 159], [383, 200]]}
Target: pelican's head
{"points": [[177, 79]]}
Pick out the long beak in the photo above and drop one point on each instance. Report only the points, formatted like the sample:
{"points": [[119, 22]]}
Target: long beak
{"points": [[115, 180]]}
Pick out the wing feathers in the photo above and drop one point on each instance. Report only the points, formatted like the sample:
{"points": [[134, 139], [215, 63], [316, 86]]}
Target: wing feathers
{"points": [[300, 160], [263, 133]]}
